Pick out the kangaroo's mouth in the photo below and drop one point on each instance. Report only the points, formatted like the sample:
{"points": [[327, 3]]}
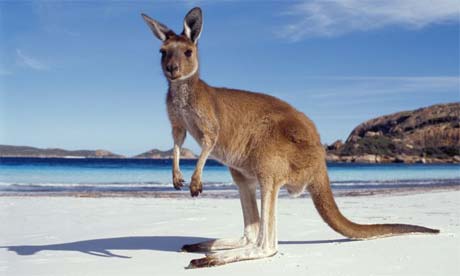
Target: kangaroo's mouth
{"points": [[173, 76], [176, 75]]}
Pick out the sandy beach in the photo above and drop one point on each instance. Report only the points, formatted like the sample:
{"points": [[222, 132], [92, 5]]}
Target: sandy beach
{"points": [[142, 236]]}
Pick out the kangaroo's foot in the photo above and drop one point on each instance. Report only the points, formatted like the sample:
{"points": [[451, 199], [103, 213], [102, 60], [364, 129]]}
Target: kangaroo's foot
{"points": [[178, 180], [196, 187], [250, 252], [219, 244]]}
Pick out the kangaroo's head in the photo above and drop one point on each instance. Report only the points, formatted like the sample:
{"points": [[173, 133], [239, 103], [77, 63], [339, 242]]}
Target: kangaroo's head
{"points": [[179, 53]]}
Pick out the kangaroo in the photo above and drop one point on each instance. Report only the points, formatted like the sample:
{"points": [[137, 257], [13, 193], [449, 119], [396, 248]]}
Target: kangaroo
{"points": [[265, 143]]}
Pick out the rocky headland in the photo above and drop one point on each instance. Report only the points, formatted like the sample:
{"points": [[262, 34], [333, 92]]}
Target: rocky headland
{"points": [[167, 154], [425, 135]]}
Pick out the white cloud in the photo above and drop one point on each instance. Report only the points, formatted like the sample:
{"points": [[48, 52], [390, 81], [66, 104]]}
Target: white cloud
{"points": [[373, 90], [337, 17], [386, 85], [30, 62]]}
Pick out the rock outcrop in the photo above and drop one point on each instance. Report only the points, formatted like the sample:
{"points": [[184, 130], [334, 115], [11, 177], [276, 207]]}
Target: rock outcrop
{"points": [[425, 135], [168, 154]]}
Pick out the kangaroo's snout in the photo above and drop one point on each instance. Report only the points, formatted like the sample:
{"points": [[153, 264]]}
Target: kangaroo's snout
{"points": [[172, 68]]}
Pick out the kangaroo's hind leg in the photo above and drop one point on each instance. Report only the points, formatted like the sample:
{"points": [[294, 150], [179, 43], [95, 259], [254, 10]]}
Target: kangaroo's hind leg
{"points": [[266, 242], [247, 190]]}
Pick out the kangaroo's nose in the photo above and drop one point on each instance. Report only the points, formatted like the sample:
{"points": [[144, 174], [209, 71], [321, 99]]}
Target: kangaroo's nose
{"points": [[171, 68]]}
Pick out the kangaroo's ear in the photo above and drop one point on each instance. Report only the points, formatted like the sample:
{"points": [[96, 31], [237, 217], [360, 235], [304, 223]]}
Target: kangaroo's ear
{"points": [[193, 24], [158, 29]]}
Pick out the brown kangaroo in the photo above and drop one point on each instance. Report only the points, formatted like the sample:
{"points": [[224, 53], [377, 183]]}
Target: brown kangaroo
{"points": [[264, 141]]}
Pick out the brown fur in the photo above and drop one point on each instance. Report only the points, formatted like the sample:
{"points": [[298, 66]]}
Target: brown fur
{"points": [[263, 140]]}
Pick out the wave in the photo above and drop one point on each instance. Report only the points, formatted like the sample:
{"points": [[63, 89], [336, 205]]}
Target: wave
{"points": [[100, 187], [6, 187]]}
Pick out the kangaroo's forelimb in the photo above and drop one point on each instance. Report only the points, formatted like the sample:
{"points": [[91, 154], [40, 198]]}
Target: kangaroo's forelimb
{"points": [[196, 186], [179, 134]]}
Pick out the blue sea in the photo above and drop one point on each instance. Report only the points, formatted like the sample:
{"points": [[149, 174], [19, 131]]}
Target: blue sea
{"points": [[41, 175]]}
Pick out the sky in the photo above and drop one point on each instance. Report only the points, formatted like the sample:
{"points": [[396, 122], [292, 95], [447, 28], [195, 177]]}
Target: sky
{"points": [[86, 74]]}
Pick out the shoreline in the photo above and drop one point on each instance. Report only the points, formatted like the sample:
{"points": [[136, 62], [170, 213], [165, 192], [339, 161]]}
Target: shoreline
{"points": [[229, 194], [366, 159]]}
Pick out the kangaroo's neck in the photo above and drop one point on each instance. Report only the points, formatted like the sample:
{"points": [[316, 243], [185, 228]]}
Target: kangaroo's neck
{"points": [[184, 84], [182, 90]]}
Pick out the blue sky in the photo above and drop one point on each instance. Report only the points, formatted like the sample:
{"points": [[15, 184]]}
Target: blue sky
{"points": [[86, 74]]}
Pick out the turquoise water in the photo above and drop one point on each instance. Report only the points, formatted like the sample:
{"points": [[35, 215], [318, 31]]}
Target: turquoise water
{"points": [[54, 174]]}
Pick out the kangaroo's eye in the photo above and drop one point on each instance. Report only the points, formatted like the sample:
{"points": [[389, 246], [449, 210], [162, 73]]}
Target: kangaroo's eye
{"points": [[188, 53]]}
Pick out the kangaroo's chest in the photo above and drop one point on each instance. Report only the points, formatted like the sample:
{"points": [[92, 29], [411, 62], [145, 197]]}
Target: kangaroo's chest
{"points": [[180, 99], [183, 107], [193, 117]]}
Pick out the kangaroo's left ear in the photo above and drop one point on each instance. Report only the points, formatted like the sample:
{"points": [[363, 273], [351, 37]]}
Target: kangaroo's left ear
{"points": [[193, 24], [159, 30]]}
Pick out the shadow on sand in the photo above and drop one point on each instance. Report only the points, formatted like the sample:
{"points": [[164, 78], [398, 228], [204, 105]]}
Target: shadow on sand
{"points": [[102, 247]]}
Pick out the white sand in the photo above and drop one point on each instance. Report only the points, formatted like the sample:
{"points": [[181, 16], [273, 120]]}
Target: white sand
{"points": [[141, 236]]}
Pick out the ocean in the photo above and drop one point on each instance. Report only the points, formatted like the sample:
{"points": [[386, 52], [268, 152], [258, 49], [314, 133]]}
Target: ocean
{"points": [[41, 175]]}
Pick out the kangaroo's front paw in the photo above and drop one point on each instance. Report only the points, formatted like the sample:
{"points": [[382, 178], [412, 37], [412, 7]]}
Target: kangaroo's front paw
{"points": [[178, 180], [196, 187]]}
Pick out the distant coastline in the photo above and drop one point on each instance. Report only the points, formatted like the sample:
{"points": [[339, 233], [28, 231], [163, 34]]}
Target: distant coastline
{"points": [[7, 151], [426, 135]]}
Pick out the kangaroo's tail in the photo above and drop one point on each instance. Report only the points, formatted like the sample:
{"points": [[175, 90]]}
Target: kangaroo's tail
{"points": [[323, 199]]}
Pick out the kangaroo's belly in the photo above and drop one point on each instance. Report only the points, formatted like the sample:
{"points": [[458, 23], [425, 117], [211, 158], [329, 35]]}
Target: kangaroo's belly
{"points": [[234, 148], [227, 149], [228, 157]]}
